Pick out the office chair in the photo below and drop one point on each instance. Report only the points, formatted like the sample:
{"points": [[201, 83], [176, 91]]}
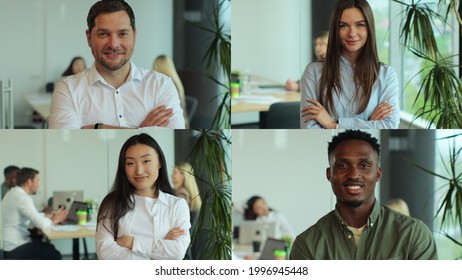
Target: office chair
{"points": [[283, 115]]}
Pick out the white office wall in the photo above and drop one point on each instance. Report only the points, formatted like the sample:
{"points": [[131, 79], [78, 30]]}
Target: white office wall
{"points": [[40, 37], [73, 160], [288, 169], [271, 38]]}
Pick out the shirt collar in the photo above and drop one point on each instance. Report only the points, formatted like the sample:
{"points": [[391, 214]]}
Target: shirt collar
{"points": [[371, 220], [345, 62], [94, 76], [162, 198]]}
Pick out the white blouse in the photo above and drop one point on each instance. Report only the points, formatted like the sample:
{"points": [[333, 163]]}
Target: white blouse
{"points": [[149, 222]]}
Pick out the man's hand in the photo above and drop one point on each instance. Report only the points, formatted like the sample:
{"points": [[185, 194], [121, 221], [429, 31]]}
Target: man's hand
{"points": [[174, 233], [125, 241], [60, 215], [381, 112], [319, 113], [158, 117]]}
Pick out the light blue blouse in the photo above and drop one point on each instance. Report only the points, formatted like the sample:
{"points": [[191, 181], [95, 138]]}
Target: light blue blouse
{"points": [[385, 88]]}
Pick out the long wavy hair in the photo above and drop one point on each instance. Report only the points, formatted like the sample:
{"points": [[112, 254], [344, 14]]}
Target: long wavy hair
{"points": [[190, 185], [367, 66], [120, 200]]}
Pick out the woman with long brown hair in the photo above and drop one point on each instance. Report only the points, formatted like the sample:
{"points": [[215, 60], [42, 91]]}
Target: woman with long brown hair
{"points": [[351, 88], [140, 218]]}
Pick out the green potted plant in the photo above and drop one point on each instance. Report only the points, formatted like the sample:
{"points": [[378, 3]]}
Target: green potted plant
{"points": [[449, 209], [439, 97], [212, 232], [218, 60]]}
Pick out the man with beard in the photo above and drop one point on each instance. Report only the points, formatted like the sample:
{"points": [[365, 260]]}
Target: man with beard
{"points": [[19, 213], [359, 227], [114, 93]]}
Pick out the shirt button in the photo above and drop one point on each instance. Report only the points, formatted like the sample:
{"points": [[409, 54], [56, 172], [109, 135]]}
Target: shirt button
{"points": [[372, 224], [349, 236], [117, 92], [120, 116]]}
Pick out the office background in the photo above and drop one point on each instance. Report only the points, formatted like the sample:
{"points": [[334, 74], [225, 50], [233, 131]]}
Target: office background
{"points": [[288, 169], [40, 37], [73, 160]]}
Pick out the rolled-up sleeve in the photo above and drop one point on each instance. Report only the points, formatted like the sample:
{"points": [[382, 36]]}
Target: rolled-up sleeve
{"points": [[170, 99], [62, 111]]}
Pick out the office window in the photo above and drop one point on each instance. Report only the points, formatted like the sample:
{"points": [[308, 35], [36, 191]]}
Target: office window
{"points": [[447, 249], [444, 34], [381, 11]]}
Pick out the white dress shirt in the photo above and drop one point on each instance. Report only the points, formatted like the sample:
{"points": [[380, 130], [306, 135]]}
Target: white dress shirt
{"points": [[86, 99], [346, 105], [149, 222], [19, 213]]}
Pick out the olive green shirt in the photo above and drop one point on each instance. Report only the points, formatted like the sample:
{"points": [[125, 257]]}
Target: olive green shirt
{"points": [[388, 235]]}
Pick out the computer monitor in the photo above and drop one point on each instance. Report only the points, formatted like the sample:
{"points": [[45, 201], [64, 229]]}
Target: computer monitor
{"points": [[72, 217], [272, 245], [255, 230], [66, 198]]}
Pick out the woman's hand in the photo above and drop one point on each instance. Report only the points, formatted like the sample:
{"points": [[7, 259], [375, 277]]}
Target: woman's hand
{"points": [[125, 241], [174, 233], [381, 112], [292, 85], [319, 113]]}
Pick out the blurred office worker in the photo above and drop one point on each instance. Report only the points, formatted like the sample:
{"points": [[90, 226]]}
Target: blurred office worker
{"points": [[114, 92], [19, 213], [359, 227], [257, 209], [10, 178], [320, 49]]}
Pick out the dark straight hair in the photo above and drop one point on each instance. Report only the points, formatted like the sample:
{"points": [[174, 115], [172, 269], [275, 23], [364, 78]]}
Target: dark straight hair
{"points": [[119, 200], [109, 6], [367, 66]]}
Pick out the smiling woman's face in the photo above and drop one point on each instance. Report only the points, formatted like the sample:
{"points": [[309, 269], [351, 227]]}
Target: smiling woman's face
{"points": [[142, 168], [352, 31]]}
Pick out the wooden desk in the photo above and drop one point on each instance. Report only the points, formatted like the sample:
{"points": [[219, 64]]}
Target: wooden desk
{"points": [[41, 103], [260, 98], [65, 232]]}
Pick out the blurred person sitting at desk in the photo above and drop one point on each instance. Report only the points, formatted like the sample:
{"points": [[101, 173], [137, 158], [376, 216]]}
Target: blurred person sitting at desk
{"points": [[164, 64], [19, 212], [10, 178], [257, 209], [320, 49], [114, 93], [360, 228], [351, 88], [77, 65], [399, 205], [185, 185]]}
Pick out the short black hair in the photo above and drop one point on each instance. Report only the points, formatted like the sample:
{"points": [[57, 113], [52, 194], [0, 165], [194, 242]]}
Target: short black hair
{"points": [[10, 169], [353, 135], [109, 6], [25, 174]]}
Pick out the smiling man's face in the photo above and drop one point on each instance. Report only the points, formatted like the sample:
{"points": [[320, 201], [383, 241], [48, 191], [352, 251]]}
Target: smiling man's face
{"points": [[354, 170]]}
